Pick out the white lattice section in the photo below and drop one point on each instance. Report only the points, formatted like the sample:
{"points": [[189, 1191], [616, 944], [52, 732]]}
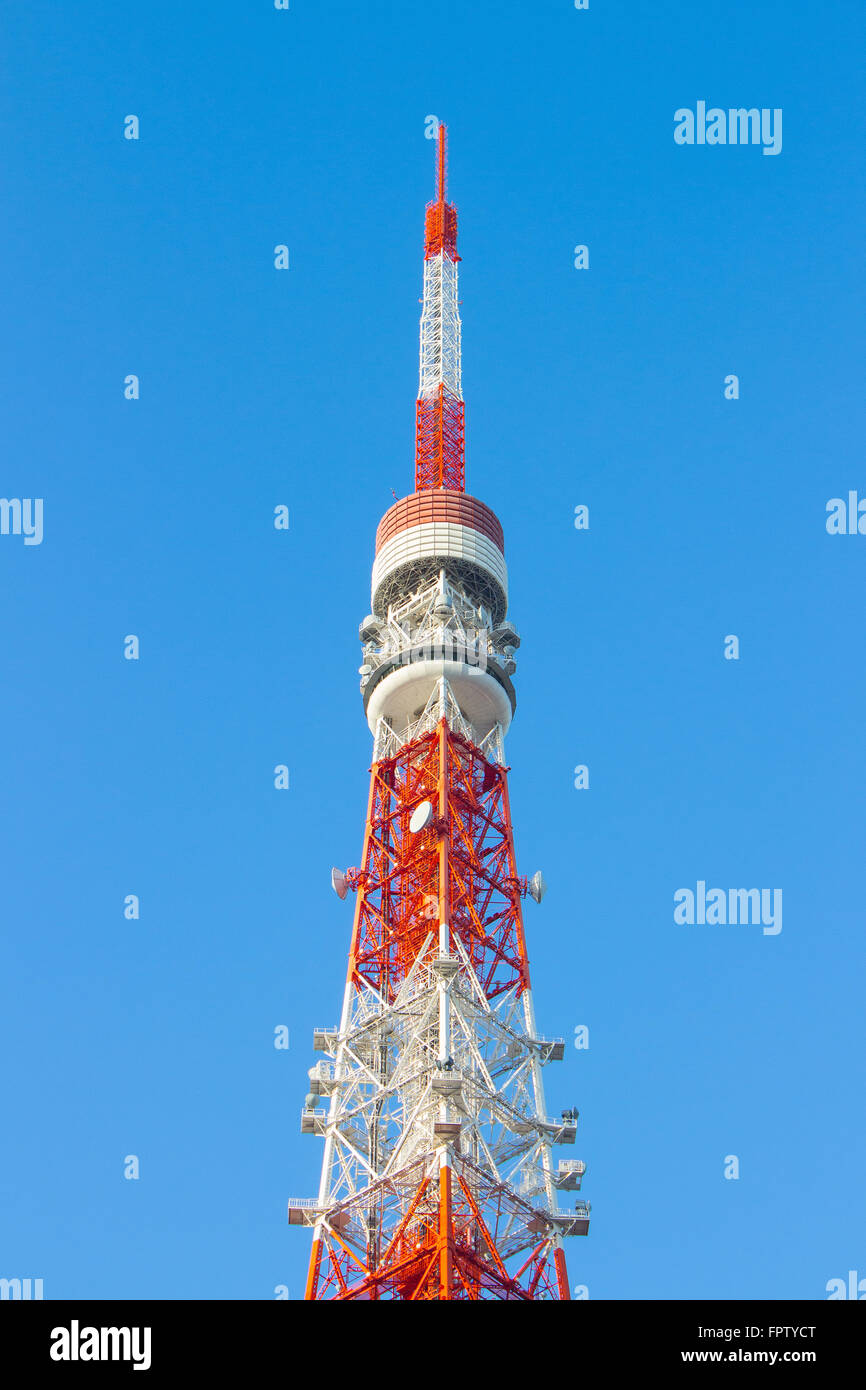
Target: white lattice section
{"points": [[442, 1050], [440, 328]]}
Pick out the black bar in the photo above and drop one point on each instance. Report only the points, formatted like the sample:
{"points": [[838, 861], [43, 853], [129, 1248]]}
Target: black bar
{"points": [[219, 1338]]}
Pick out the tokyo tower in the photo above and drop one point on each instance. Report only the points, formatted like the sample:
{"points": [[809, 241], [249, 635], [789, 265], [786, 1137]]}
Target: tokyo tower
{"points": [[438, 1178]]}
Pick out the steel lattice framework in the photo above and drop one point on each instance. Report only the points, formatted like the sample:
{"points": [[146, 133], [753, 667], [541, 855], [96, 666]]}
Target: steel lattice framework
{"points": [[438, 1181]]}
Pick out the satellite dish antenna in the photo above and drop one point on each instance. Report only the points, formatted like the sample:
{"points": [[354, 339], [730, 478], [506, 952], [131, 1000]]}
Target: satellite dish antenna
{"points": [[338, 883], [421, 817], [537, 886]]}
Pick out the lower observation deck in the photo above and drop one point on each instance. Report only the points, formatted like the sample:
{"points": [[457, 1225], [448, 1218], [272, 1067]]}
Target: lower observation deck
{"points": [[400, 689]]}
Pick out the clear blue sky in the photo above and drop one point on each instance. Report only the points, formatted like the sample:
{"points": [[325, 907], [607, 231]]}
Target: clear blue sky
{"points": [[259, 387]]}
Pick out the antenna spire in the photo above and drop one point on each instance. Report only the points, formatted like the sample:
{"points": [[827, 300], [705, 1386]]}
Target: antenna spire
{"points": [[441, 152], [439, 411]]}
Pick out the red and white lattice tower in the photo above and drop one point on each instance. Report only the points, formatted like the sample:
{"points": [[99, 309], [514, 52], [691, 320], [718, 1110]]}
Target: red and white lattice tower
{"points": [[438, 1180]]}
